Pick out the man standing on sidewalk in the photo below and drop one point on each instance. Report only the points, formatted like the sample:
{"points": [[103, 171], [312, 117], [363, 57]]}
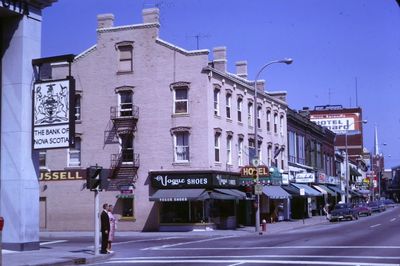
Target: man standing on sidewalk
{"points": [[105, 229]]}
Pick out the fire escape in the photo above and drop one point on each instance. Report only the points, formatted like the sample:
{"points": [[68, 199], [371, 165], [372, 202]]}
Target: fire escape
{"points": [[124, 165]]}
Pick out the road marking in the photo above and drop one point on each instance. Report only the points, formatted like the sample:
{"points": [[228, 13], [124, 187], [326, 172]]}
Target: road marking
{"points": [[6, 251], [280, 247], [145, 240], [53, 242], [252, 261], [186, 243], [392, 220], [372, 226], [240, 263]]}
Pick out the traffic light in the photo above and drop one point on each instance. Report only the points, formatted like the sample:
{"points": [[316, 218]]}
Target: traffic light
{"points": [[93, 177]]}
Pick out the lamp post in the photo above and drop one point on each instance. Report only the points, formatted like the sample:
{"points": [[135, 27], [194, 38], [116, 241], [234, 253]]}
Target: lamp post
{"points": [[287, 61], [347, 158]]}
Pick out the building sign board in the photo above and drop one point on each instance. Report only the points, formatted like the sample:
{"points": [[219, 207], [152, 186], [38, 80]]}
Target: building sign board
{"points": [[17, 6], [305, 178], [62, 175], [53, 114], [339, 123]]}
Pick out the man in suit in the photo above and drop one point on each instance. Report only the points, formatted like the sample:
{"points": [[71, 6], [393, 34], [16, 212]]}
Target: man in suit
{"points": [[105, 229]]}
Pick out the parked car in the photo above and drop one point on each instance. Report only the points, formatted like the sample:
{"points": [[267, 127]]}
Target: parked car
{"points": [[389, 203], [376, 206], [363, 209], [343, 211]]}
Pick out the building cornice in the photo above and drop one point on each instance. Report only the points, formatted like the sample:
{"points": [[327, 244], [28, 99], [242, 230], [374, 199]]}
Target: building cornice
{"points": [[129, 27], [181, 50]]}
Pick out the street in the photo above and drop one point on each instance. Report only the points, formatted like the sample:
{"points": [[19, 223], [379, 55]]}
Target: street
{"points": [[370, 240]]}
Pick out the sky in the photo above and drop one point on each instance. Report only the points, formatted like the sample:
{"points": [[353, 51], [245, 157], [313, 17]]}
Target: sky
{"points": [[345, 52]]}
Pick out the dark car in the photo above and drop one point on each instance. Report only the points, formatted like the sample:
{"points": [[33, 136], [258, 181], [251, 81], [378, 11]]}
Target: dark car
{"points": [[389, 203], [363, 209], [343, 211], [376, 206]]}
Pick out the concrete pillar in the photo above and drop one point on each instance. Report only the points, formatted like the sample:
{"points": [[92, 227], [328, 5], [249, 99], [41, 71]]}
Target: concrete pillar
{"points": [[19, 165]]}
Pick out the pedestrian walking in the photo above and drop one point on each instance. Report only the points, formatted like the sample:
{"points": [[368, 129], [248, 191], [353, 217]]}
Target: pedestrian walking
{"points": [[327, 212], [113, 226], [105, 229]]}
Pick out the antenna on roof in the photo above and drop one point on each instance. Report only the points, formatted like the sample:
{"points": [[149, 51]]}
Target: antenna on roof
{"points": [[199, 36], [356, 93]]}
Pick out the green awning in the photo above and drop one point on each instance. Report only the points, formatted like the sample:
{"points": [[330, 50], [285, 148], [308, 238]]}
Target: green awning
{"points": [[233, 192]]}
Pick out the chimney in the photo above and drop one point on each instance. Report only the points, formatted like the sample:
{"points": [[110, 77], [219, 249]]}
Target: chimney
{"points": [[241, 69], [105, 21], [151, 15], [220, 58]]}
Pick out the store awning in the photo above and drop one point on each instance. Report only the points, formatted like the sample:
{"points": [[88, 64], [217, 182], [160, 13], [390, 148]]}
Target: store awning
{"points": [[355, 193], [233, 192], [337, 190], [218, 196], [309, 191], [324, 190], [276, 192], [179, 195], [354, 172], [125, 196]]}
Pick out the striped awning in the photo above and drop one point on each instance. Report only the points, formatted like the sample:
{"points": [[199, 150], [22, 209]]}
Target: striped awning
{"points": [[324, 190], [275, 192], [308, 191]]}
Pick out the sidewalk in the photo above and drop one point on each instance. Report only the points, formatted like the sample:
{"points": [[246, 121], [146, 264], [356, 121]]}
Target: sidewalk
{"points": [[79, 253]]}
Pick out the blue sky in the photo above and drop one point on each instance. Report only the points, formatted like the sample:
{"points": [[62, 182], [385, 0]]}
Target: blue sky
{"points": [[332, 43]]}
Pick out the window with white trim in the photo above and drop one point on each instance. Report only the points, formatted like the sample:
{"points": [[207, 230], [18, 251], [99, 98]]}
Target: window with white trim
{"points": [[275, 123], [77, 107], [181, 146], [281, 121], [217, 146], [126, 148], [229, 149], [239, 109], [125, 54], [42, 158], [181, 100], [250, 112], [240, 152], [268, 120], [259, 117], [269, 155], [292, 144], [125, 106], [74, 154], [301, 149], [228, 105], [216, 101]]}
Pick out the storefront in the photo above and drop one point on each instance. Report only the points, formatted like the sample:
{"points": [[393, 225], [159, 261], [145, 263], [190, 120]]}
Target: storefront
{"points": [[304, 200], [196, 200]]}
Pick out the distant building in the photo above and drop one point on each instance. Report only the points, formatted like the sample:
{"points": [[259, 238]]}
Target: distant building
{"points": [[173, 128]]}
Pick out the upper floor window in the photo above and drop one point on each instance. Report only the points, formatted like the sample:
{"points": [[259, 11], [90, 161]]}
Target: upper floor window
{"points": [[74, 154], [301, 155], [239, 109], [268, 120], [216, 101], [269, 155], [181, 146], [77, 107], [228, 105], [125, 53], [229, 150], [275, 123], [259, 117], [250, 112], [126, 142], [281, 121], [292, 144], [217, 146], [240, 152], [125, 103], [181, 100]]}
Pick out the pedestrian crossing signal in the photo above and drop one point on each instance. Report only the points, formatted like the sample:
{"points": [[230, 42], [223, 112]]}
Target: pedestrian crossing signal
{"points": [[96, 178]]}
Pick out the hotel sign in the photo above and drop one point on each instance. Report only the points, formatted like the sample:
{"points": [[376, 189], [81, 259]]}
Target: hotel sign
{"points": [[53, 114], [62, 175], [339, 123]]}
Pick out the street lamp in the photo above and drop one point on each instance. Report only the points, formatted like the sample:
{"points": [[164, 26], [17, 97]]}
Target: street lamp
{"points": [[287, 61], [347, 158]]}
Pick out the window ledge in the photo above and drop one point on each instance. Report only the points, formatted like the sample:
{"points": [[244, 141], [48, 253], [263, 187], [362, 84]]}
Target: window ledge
{"points": [[78, 121], [217, 116], [124, 72], [240, 123], [181, 163], [217, 163], [229, 120], [180, 115], [72, 167], [127, 219]]}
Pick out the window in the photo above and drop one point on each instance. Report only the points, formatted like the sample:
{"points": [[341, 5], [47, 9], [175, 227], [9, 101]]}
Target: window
{"points": [[74, 154], [77, 107], [216, 101], [239, 109], [228, 105], [282, 158], [240, 152], [125, 103], [292, 147], [250, 112], [301, 149], [258, 117], [126, 142], [252, 150], [125, 58], [42, 159], [127, 207], [181, 146], [181, 100], [269, 155], [260, 150], [275, 123], [319, 156], [281, 121], [229, 150], [217, 146], [268, 120]]}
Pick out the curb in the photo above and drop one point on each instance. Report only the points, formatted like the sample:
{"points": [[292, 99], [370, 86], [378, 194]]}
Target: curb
{"points": [[77, 260]]}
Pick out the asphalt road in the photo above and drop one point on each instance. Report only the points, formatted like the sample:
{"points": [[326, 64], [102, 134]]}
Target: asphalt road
{"points": [[373, 240]]}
